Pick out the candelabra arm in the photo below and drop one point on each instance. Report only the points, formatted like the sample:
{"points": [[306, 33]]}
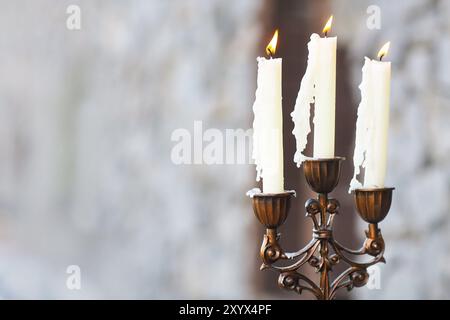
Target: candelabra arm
{"points": [[341, 250], [374, 260], [301, 252], [271, 252], [306, 254], [359, 252], [373, 246]]}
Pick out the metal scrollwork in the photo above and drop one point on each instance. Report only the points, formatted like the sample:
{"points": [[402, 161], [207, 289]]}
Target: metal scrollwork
{"points": [[323, 253]]}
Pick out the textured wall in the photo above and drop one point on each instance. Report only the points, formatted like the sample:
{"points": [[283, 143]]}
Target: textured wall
{"points": [[85, 124], [417, 230]]}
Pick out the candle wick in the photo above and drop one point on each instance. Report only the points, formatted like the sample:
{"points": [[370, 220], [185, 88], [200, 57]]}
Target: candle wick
{"points": [[326, 33], [381, 57], [270, 53]]}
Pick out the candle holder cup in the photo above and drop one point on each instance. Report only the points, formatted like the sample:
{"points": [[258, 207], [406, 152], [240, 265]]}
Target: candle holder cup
{"points": [[322, 175], [373, 204], [323, 252], [271, 209]]}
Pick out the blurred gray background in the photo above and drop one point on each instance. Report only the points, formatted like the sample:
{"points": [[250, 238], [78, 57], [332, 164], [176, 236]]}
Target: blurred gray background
{"points": [[86, 118]]}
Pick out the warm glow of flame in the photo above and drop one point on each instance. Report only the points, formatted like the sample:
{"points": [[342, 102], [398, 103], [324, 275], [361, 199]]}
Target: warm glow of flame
{"points": [[272, 46], [327, 27], [384, 50]]}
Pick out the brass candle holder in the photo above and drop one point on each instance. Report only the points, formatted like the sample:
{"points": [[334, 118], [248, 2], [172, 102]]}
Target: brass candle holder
{"points": [[323, 252]]}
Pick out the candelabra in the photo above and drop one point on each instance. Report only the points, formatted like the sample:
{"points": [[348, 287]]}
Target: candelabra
{"points": [[323, 252]]}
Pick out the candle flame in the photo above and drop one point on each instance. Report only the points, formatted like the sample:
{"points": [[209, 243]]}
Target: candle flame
{"points": [[272, 46], [384, 50], [327, 27]]}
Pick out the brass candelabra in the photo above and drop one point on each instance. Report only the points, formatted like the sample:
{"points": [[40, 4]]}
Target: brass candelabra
{"points": [[324, 251]]}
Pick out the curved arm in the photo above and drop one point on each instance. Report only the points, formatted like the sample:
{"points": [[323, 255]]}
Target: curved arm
{"points": [[360, 251], [360, 265], [306, 254], [373, 245], [293, 255]]}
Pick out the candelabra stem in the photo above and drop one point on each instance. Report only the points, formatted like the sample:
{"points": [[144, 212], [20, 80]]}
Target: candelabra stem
{"points": [[324, 276], [323, 249], [323, 199]]}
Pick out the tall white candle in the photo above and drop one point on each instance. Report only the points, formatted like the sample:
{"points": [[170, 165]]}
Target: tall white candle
{"points": [[373, 123], [268, 123], [318, 86], [325, 99]]}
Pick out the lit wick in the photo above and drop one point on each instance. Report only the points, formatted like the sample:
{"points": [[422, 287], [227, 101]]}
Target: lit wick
{"points": [[384, 50], [271, 47], [327, 26]]}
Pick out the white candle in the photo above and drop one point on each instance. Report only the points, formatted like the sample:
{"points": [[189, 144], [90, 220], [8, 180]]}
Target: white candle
{"points": [[268, 123], [325, 98], [318, 86], [373, 123]]}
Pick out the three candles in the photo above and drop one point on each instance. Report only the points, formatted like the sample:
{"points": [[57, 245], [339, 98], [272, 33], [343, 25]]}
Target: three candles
{"points": [[318, 87]]}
